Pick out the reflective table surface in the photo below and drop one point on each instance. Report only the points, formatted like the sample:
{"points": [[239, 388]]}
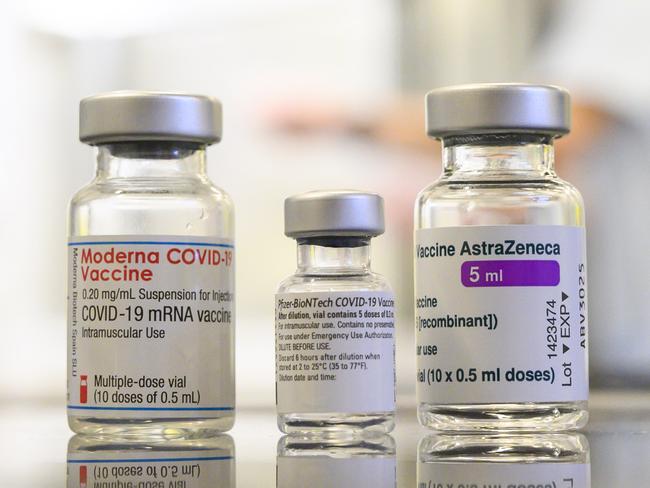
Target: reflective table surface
{"points": [[39, 451]]}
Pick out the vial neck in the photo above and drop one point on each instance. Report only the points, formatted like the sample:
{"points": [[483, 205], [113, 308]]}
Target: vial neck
{"points": [[498, 156], [155, 159], [333, 256]]}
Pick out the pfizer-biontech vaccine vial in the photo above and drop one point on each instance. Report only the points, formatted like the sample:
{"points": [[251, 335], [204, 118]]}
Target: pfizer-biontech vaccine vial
{"points": [[151, 272], [334, 318], [500, 271]]}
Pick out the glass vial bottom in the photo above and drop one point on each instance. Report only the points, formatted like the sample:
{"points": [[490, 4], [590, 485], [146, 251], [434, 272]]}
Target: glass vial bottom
{"points": [[336, 423], [520, 417], [166, 427]]}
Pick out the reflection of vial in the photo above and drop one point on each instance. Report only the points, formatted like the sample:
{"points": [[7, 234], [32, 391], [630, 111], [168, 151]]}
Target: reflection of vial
{"points": [[151, 461], [560, 460], [151, 272], [335, 344], [501, 305], [320, 463]]}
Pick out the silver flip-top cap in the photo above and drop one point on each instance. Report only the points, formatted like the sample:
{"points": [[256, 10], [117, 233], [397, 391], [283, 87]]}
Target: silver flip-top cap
{"points": [[138, 115], [497, 108], [334, 213]]}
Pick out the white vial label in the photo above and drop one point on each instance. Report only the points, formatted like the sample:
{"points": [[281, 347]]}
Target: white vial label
{"points": [[326, 472], [150, 326], [505, 475], [335, 352], [501, 314], [187, 469]]}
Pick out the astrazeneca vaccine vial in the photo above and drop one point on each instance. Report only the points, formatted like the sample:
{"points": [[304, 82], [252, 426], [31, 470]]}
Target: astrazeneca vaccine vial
{"points": [[151, 272], [335, 328], [323, 463], [120, 462], [516, 460], [500, 271]]}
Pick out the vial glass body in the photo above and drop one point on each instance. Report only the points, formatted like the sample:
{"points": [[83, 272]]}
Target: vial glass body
{"points": [[332, 266], [501, 181], [149, 190]]}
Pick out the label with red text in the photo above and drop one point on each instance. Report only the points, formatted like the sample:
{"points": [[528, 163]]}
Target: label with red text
{"points": [[150, 326]]}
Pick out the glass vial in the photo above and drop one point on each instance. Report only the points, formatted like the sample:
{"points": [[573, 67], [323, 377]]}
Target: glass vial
{"points": [[500, 270], [151, 272], [515, 460], [335, 342]]}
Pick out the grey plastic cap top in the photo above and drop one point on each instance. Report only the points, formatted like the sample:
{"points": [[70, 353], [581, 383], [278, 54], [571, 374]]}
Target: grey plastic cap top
{"points": [[138, 116], [334, 213], [497, 108]]}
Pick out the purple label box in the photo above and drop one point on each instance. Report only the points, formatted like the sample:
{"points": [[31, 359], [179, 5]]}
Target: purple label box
{"points": [[510, 273]]}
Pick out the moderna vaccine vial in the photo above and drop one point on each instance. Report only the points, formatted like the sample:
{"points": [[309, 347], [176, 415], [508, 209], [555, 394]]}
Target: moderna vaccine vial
{"points": [[334, 318], [151, 272], [500, 269]]}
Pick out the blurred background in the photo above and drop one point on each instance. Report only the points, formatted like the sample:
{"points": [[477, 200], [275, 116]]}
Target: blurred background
{"points": [[317, 95]]}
